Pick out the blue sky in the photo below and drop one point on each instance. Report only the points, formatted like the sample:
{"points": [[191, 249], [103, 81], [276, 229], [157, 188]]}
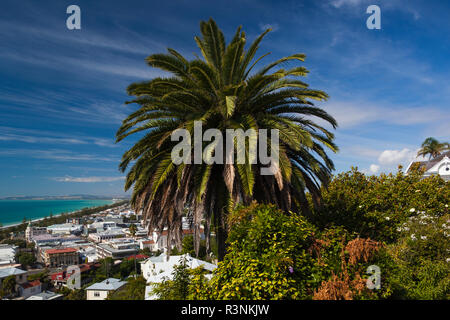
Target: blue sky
{"points": [[62, 92]]}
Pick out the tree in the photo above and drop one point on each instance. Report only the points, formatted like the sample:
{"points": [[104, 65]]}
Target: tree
{"points": [[432, 148], [26, 259], [133, 290], [133, 229], [9, 286], [223, 91]]}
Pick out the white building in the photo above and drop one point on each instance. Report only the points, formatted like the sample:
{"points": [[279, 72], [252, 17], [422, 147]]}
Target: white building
{"points": [[31, 232], [101, 290], [157, 269], [7, 255], [107, 235], [65, 228], [439, 165]]}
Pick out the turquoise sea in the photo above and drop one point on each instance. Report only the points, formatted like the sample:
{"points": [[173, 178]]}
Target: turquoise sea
{"points": [[13, 211]]}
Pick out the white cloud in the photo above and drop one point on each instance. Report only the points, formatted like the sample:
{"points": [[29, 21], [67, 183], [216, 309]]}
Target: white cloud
{"points": [[392, 157], [374, 168], [88, 179], [340, 3]]}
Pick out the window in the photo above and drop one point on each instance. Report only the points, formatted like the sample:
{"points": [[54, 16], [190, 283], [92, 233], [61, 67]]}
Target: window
{"points": [[96, 294]]}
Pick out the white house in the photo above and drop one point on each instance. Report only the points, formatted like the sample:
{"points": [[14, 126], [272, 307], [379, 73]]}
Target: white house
{"points": [[156, 269], [439, 165], [100, 290]]}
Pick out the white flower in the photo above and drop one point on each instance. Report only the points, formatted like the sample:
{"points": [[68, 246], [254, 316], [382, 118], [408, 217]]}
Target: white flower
{"points": [[387, 218], [423, 237], [446, 205], [413, 237], [412, 210], [360, 207], [447, 260]]}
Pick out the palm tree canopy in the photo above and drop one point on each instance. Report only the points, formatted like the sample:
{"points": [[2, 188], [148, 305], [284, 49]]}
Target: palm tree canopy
{"points": [[223, 90], [432, 148]]}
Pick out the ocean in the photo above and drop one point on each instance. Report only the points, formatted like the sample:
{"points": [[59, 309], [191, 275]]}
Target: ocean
{"points": [[13, 211]]}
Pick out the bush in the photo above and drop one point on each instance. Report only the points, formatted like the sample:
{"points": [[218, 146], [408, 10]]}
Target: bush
{"points": [[423, 256], [375, 206], [267, 257]]}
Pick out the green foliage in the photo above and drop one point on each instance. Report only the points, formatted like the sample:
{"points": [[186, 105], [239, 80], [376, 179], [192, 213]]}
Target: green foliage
{"points": [[375, 206], [76, 294], [26, 259], [184, 284], [8, 286], [133, 290], [267, 257], [422, 254]]}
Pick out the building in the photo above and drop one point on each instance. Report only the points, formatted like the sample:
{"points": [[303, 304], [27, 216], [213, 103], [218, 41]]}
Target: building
{"points": [[60, 278], [147, 243], [101, 290], [117, 249], [8, 255], [107, 235], [31, 232], [21, 275], [439, 165], [61, 257], [46, 295], [30, 288], [157, 269], [65, 228]]}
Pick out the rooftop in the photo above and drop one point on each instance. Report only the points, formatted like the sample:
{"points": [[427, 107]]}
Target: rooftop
{"points": [[6, 272], [64, 250], [107, 285]]}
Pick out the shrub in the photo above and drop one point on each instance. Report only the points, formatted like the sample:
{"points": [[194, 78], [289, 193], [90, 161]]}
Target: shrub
{"points": [[423, 256], [375, 206]]}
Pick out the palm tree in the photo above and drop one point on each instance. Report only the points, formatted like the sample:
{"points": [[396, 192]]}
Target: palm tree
{"points": [[223, 90], [432, 148]]}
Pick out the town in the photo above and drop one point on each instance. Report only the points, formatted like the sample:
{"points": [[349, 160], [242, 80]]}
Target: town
{"points": [[103, 250]]}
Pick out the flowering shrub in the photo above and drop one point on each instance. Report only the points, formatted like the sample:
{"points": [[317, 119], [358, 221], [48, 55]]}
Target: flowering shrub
{"points": [[423, 256], [375, 206]]}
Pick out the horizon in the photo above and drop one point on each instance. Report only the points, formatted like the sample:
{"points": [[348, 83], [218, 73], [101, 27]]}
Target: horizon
{"points": [[62, 92]]}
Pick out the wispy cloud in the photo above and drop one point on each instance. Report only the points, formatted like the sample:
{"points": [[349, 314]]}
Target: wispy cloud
{"points": [[47, 137], [87, 179], [56, 154]]}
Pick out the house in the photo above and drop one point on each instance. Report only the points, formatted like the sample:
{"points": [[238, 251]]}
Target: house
{"points": [[21, 275], [157, 269], [61, 257], [439, 165], [101, 290], [46, 295], [30, 288]]}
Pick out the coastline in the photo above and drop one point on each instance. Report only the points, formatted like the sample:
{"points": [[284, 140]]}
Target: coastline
{"points": [[58, 214]]}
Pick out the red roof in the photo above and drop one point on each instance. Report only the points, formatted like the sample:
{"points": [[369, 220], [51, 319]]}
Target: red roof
{"points": [[65, 250], [31, 284], [148, 242]]}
